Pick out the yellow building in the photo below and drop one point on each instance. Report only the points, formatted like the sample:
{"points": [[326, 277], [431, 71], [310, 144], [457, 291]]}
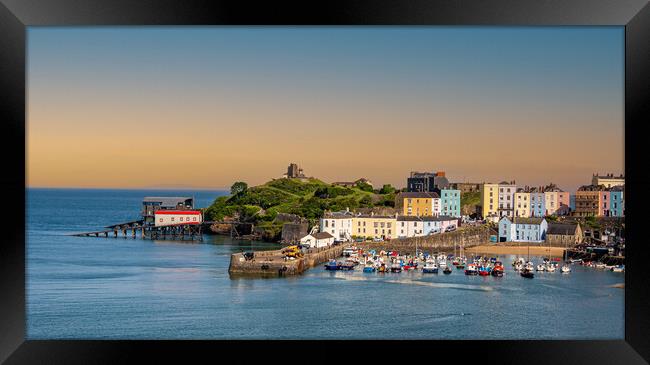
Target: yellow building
{"points": [[417, 204], [374, 226], [489, 199], [522, 204]]}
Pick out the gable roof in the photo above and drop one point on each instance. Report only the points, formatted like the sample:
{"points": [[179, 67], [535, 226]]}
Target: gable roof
{"points": [[562, 228], [522, 220], [322, 235]]}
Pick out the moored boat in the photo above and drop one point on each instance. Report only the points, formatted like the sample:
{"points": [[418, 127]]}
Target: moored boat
{"points": [[369, 268], [471, 270], [528, 274], [396, 267], [565, 269], [447, 270], [430, 268], [332, 265], [498, 269]]}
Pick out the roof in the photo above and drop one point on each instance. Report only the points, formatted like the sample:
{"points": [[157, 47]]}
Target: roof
{"points": [[342, 214], [322, 235], [419, 195], [562, 228], [166, 200], [522, 220], [440, 218]]}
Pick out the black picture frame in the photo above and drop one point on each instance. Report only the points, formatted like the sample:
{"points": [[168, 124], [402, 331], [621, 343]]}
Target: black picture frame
{"points": [[16, 15]]}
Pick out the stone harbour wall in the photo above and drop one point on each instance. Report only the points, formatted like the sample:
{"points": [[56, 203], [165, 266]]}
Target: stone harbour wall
{"points": [[466, 236]]}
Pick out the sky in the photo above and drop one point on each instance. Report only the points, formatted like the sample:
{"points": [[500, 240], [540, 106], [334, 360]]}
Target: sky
{"points": [[203, 107]]}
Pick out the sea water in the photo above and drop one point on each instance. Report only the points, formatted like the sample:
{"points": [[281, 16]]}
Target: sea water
{"points": [[124, 288]]}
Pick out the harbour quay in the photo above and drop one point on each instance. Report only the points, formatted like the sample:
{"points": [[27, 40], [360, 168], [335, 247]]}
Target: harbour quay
{"points": [[274, 263]]}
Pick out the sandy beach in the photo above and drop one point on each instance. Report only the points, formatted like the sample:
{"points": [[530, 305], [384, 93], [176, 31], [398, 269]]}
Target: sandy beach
{"points": [[522, 250]]}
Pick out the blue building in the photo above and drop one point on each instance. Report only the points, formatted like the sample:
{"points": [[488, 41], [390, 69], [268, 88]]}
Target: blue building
{"points": [[616, 201], [450, 202], [537, 204], [520, 229]]}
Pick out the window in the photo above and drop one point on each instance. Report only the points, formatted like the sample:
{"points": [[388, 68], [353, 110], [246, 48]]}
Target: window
{"points": [[172, 219], [375, 231], [195, 219], [160, 219], [326, 223], [402, 224]]}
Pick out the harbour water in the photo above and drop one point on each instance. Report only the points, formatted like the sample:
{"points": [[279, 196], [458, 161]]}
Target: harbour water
{"points": [[108, 288]]}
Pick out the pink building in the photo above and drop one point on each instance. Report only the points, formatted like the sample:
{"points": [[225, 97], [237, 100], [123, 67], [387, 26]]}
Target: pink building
{"points": [[603, 203], [564, 202]]}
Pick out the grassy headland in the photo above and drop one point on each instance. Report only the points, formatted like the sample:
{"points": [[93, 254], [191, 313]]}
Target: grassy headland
{"points": [[308, 199]]}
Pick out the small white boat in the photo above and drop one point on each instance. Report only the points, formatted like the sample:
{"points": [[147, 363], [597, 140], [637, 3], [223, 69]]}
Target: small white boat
{"points": [[600, 265], [565, 269], [541, 267], [619, 268], [442, 264], [550, 268], [529, 266]]}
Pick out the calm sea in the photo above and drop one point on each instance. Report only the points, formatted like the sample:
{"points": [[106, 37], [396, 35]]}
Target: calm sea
{"points": [[107, 288]]}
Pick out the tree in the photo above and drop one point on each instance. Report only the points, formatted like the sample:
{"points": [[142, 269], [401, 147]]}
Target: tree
{"points": [[387, 189], [238, 187], [364, 186]]}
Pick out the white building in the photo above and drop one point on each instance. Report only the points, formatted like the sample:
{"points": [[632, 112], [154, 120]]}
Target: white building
{"points": [[522, 229], [320, 239], [506, 202], [177, 217], [408, 226], [436, 205], [338, 224], [608, 180]]}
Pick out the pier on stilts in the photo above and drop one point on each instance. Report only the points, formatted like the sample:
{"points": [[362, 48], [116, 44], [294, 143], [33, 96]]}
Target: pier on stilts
{"points": [[163, 218]]}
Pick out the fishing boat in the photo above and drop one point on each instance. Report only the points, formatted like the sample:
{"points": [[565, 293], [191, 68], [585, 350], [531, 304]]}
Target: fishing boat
{"points": [[396, 267], [600, 265], [498, 269], [442, 263], [618, 268], [471, 270], [369, 268], [348, 265], [565, 269], [332, 265], [540, 267], [484, 270], [430, 267], [381, 268], [550, 268], [447, 270]]}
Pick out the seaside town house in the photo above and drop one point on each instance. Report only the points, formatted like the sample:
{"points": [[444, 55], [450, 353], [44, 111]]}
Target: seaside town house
{"points": [[418, 204], [588, 200], [616, 201], [489, 199], [338, 224], [374, 226], [522, 203], [450, 199], [537, 202], [522, 229], [507, 192]]}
